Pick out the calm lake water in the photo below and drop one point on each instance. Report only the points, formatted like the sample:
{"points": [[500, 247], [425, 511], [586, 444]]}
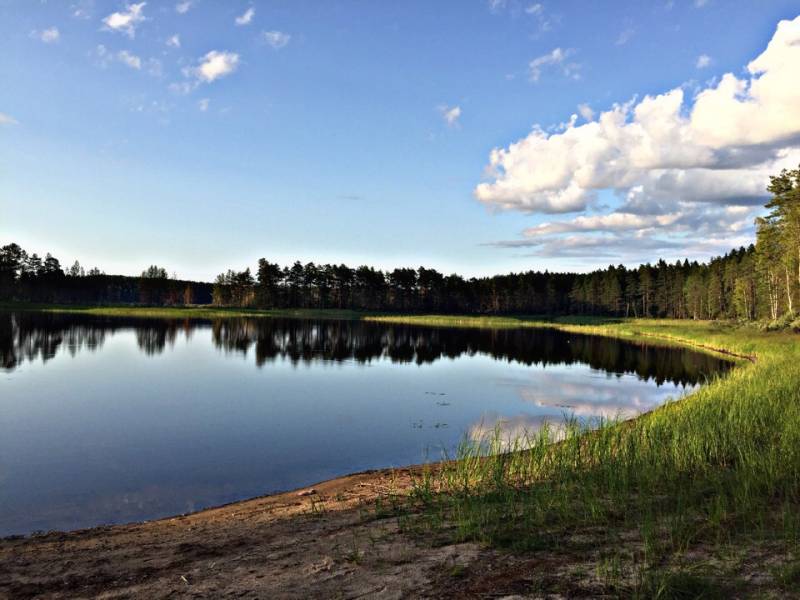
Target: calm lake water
{"points": [[116, 420]]}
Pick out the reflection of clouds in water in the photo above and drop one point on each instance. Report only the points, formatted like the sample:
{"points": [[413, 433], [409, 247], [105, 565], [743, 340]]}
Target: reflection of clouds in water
{"points": [[595, 395], [517, 432], [560, 397]]}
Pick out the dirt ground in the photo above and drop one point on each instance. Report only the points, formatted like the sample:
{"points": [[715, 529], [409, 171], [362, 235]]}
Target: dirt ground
{"points": [[321, 542], [325, 544]]}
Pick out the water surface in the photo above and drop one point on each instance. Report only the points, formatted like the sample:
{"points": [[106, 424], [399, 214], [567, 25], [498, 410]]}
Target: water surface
{"points": [[110, 420]]}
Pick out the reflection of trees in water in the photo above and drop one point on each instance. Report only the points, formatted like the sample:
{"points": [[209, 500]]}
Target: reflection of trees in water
{"points": [[153, 339], [29, 336], [306, 340], [26, 336]]}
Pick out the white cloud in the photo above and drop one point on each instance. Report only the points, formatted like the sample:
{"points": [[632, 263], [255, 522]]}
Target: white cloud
{"points": [[131, 60], [450, 114], [7, 120], [183, 7], [203, 104], [247, 17], [174, 41], [700, 3], [212, 66], [276, 39], [48, 36], [703, 61], [535, 9], [676, 164], [556, 58], [127, 20]]}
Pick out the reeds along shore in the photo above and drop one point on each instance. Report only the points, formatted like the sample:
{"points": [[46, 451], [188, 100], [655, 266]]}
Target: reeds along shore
{"points": [[675, 497]]}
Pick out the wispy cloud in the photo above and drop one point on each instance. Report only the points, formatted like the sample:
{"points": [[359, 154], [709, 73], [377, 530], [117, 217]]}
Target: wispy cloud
{"points": [[82, 9], [556, 58], [7, 120], [624, 36], [246, 18], [48, 36], [183, 7], [276, 39], [174, 41], [703, 61], [103, 57], [130, 60], [450, 114], [535, 9], [126, 21], [203, 104], [586, 112]]}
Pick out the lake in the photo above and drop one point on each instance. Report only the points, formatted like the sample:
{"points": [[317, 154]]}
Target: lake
{"points": [[112, 420]]}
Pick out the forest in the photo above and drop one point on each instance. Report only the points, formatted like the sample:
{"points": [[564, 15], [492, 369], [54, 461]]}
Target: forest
{"points": [[760, 282]]}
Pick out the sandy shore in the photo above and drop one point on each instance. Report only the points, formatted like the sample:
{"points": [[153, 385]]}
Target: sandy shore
{"points": [[325, 544], [326, 541]]}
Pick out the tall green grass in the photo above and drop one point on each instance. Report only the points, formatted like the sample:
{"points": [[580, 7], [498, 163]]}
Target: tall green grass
{"points": [[713, 473]]}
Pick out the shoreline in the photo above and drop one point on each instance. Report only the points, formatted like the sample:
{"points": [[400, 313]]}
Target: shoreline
{"points": [[415, 320], [296, 544]]}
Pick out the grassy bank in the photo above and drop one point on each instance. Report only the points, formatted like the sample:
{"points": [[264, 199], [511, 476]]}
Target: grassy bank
{"points": [[699, 498], [180, 312]]}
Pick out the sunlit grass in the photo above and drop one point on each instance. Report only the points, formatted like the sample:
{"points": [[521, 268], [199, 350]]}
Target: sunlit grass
{"points": [[183, 312], [715, 470]]}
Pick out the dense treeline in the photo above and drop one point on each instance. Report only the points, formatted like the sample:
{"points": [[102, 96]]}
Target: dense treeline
{"points": [[28, 278], [761, 281]]}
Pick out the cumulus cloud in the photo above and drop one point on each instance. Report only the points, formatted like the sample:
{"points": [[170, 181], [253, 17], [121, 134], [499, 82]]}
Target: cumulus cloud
{"points": [[212, 66], [247, 17], [276, 39], [126, 21], [48, 36], [676, 164], [183, 7], [7, 120], [557, 58], [174, 41], [703, 61], [450, 114]]}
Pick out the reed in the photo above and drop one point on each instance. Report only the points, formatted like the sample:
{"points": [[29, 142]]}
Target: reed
{"points": [[711, 475]]}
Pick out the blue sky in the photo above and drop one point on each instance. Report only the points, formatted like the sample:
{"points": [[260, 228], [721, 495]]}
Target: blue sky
{"points": [[361, 132]]}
